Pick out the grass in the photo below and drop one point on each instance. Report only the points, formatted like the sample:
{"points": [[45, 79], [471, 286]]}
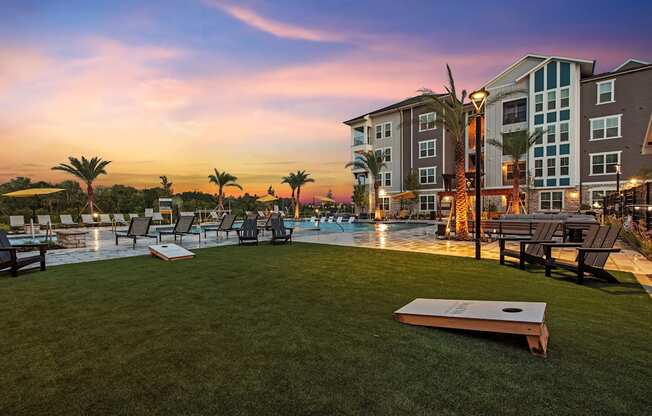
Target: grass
{"points": [[308, 329]]}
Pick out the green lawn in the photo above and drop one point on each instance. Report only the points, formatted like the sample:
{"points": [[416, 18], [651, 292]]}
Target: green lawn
{"points": [[308, 329]]}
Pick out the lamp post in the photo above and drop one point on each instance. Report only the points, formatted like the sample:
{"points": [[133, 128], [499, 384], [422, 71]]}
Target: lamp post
{"points": [[619, 208], [479, 99]]}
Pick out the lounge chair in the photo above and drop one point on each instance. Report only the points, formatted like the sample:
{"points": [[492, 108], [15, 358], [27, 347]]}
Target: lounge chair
{"points": [[530, 249], [105, 219], [592, 254], [182, 227], [280, 233], [226, 225], [157, 216], [312, 219], [66, 220], [149, 212], [339, 220], [351, 220], [131, 216], [331, 219], [248, 232], [119, 219], [17, 222], [266, 224], [9, 255], [138, 228], [44, 221], [88, 221]]}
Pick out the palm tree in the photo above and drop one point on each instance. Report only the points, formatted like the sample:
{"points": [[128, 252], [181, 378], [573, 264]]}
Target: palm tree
{"points": [[411, 183], [373, 164], [451, 115], [302, 178], [291, 180], [516, 145], [166, 185], [87, 170], [359, 197], [223, 180]]}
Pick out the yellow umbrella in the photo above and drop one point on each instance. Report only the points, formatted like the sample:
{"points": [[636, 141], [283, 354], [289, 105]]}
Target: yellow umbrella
{"points": [[35, 193], [325, 199], [404, 195], [267, 198]]}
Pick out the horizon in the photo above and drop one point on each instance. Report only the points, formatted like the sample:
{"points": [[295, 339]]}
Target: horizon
{"points": [[179, 88]]}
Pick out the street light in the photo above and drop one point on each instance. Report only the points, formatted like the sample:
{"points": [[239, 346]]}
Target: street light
{"points": [[479, 99], [619, 208]]}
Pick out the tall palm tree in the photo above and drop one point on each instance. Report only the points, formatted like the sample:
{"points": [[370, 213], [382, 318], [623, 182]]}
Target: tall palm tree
{"points": [[87, 170], [291, 180], [451, 115], [517, 145], [166, 185], [302, 178], [359, 197], [373, 164], [223, 180]]}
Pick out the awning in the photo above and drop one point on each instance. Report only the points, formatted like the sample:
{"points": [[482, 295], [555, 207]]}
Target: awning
{"points": [[25, 193]]}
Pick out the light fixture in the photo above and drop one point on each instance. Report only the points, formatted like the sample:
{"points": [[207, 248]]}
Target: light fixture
{"points": [[479, 98], [381, 193]]}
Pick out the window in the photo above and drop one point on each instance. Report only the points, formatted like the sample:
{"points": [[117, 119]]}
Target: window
{"points": [[426, 175], [551, 200], [551, 133], [597, 197], [387, 181], [426, 121], [426, 202], [563, 166], [379, 154], [388, 154], [384, 130], [564, 98], [538, 168], [552, 100], [552, 166], [388, 130], [538, 103], [605, 92], [515, 111], [563, 132], [379, 131], [426, 149], [509, 172], [605, 127], [539, 136], [383, 203], [604, 163], [358, 136]]}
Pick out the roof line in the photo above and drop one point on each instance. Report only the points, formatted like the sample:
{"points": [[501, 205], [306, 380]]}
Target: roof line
{"points": [[638, 61]]}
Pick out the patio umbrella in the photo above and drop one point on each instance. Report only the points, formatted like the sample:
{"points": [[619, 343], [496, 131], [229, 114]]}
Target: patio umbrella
{"points": [[404, 195], [267, 198], [325, 199], [35, 193]]}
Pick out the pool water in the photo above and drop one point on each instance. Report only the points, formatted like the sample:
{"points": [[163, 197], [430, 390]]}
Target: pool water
{"points": [[328, 227]]}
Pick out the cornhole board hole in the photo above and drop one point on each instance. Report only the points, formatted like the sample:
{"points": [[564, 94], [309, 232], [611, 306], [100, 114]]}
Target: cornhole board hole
{"points": [[522, 318], [170, 252]]}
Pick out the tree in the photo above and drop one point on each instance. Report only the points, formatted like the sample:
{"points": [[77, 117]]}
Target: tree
{"points": [[516, 145], [359, 197], [451, 115], [291, 180], [166, 185], [411, 183], [373, 163], [302, 178], [87, 170], [223, 180]]}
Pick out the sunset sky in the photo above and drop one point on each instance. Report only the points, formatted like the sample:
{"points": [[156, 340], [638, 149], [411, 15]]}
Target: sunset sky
{"points": [[258, 88]]}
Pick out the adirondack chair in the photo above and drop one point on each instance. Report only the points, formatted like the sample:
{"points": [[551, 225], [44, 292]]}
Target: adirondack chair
{"points": [[248, 232], [592, 254], [530, 249], [9, 258], [182, 227], [138, 228], [281, 233]]}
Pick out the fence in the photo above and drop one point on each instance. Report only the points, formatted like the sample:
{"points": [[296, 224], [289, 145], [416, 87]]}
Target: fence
{"points": [[636, 201]]}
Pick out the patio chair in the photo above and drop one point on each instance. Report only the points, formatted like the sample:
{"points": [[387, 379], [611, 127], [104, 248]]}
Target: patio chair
{"points": [[530, 249], [9, 255], [248, 232], [331, 219], [105, 219], [66, 220], [339, 220], [17, 222], [351, 220], [312, 219], [44, 221], [592, 253], [88, 221], [226, 225], [131, 216], [138, 228], [149, 212], [157, 216], [280, 233], [182, 227], [119, 219]]}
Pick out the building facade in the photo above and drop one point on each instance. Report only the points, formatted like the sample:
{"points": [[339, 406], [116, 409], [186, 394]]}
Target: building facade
{"points": [[589, 124]]}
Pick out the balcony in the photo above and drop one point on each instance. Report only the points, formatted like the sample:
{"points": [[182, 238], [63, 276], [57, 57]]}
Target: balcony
{"points": [[360, 140]]}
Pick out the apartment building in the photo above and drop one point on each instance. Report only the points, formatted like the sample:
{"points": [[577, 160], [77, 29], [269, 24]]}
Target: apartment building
{"points": [[590, 123]]}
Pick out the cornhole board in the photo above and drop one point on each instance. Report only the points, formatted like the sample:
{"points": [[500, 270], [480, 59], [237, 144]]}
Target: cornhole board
{"points": [[170, 252], [522, 318]]}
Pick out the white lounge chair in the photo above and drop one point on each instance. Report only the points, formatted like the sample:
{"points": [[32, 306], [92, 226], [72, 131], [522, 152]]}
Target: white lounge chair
{"points": [[157, 216], [312, 219], [105, 219], [120, 219], [339, 220], [132, 216], [149, 212], [44, 221], [87, 220], [351, 220], [330, 219], [16, 221], [66, 220]]}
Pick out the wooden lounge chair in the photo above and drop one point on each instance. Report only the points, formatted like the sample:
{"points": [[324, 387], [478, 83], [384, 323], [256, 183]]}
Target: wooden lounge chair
{"points": [[17, 222], [592, 254], [9, 255], [281, 233], [530, 249], [66, 220], [105, 219], [182, 227], [119, 219], [88, 221], [138, 228], [248, 232], [225, 225]]}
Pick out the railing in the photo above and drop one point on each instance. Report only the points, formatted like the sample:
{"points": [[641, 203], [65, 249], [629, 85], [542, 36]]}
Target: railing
{"points": [[635, 202]]}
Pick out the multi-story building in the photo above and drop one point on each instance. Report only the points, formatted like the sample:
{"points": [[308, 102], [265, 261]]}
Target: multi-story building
{"points": [[590, 124]]}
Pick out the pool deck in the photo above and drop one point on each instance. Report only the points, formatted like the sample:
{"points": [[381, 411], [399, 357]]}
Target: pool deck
{"points": [[101, 246]]}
